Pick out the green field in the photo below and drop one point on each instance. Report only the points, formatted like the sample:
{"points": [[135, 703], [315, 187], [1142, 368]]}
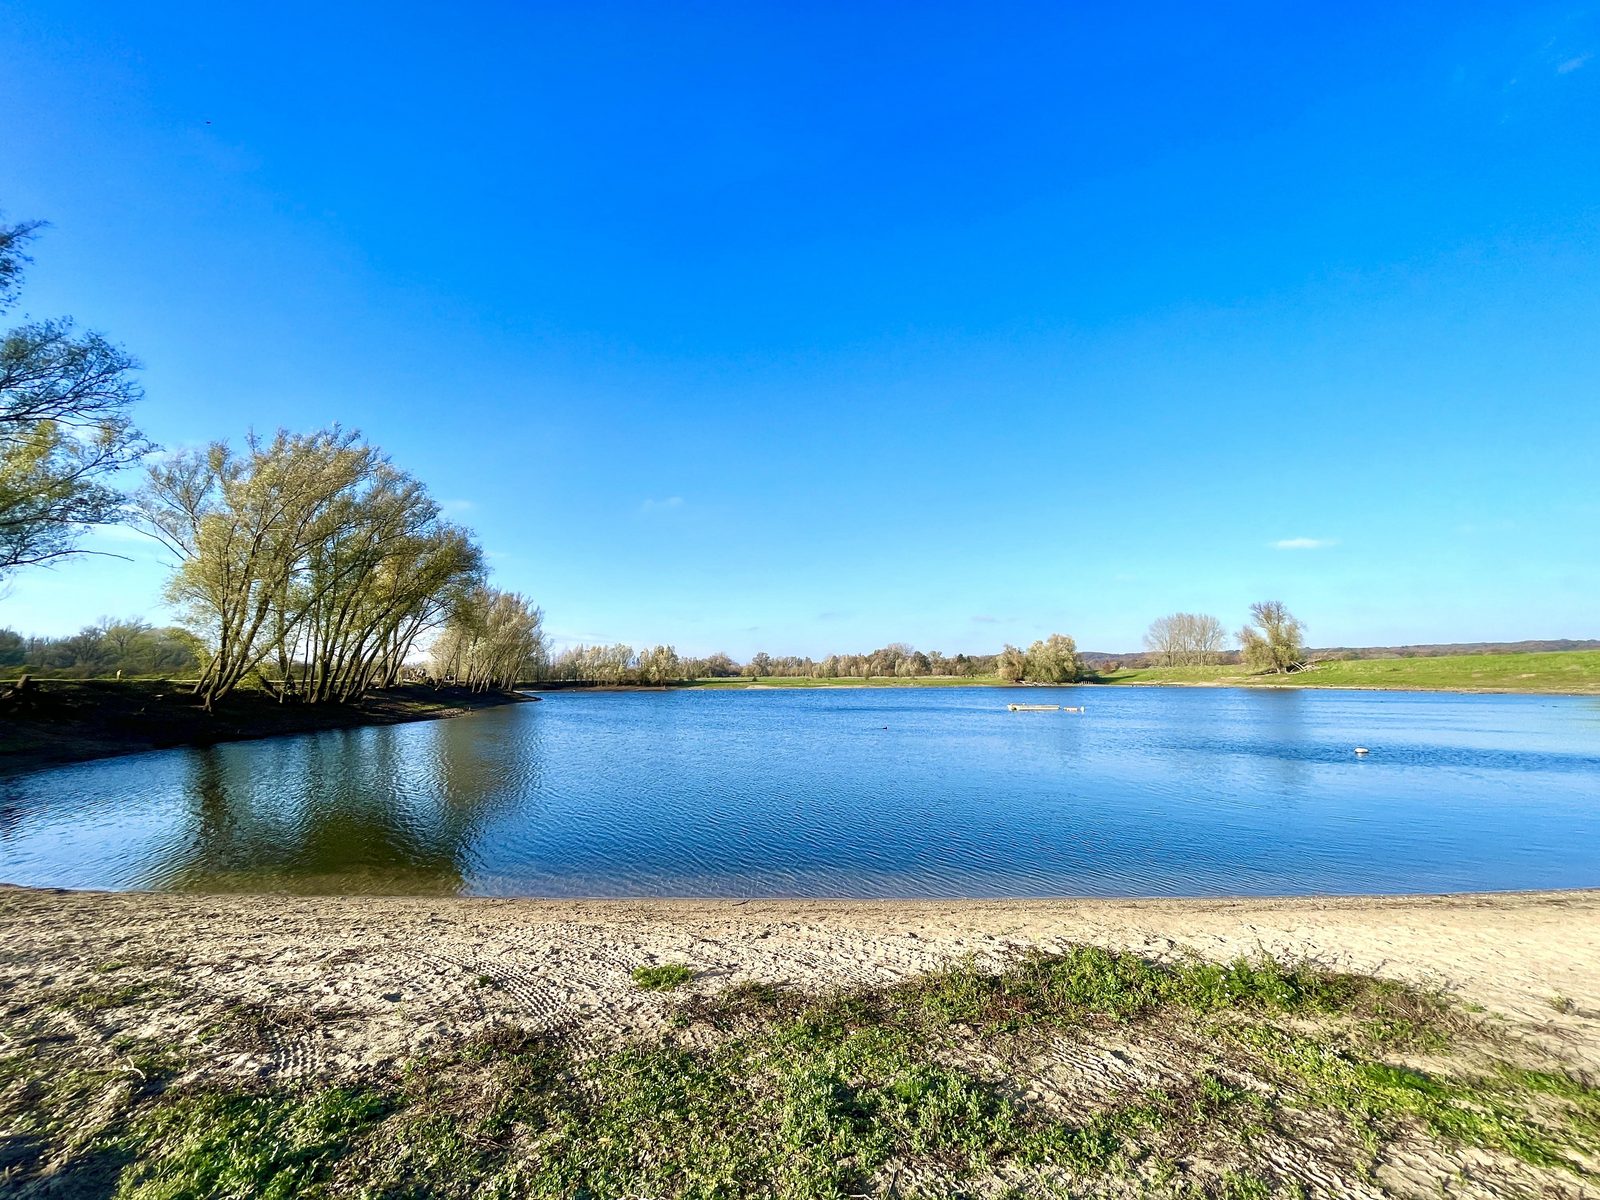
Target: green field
{"points": [[1558, 671], [1575, 671]]}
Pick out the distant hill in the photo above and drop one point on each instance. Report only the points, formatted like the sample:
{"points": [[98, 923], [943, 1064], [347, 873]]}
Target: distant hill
{"points": [[1098, 658]]}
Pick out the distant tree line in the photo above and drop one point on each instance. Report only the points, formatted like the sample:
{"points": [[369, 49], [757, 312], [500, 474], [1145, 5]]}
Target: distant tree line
{"points": [[620, 664], [1054, 660], [131, 647], [1273, 640]]}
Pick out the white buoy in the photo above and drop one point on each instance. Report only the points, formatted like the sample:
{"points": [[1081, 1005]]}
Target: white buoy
{"points": [[1362, 750]]}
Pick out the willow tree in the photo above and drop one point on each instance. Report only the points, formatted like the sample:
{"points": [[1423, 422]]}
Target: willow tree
{"points": [[309, 548], [387, 569], [490, 639], [1274, 640], [1011, 664], [241, 526], [1053, 660], [660, 665], [64, 426]]}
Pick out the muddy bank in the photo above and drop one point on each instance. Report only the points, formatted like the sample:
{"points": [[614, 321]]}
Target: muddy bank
{"points": [[69, 721]]}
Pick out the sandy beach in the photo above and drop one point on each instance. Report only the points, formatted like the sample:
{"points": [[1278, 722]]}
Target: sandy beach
{"points": [[344, 984], [426, 1016]]}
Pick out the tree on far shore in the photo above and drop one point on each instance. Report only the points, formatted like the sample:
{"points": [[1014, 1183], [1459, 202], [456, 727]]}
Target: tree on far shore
{"points": [[1011, 664], [1274, 640], [1185, 640], [1053, 660]]}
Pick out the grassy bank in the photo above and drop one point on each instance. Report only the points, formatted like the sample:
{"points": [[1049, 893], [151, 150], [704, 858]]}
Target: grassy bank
{"points": [[1571, 671], [74, 720], [1561, 671], [1086, 1072]]}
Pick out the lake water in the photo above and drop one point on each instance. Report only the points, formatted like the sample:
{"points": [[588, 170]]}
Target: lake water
{"points": [[881, 792]]}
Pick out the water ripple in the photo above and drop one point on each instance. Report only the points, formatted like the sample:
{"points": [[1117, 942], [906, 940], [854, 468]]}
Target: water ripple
{"points": [[881, 793]]}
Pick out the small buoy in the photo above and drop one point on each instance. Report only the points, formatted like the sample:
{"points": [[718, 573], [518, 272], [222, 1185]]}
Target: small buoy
{"points": [[1362, 750]]}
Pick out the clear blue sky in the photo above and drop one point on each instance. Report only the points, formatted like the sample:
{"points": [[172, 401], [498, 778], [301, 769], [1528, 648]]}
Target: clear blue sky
{"points": [[809, 327]]}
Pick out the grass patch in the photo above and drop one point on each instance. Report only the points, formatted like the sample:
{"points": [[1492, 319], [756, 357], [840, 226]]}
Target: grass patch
{"points": [[1088, 985], [662, 977], [276, 1146], [935, 1082], [1539, 671], [99, 998], [1497, 1112]]}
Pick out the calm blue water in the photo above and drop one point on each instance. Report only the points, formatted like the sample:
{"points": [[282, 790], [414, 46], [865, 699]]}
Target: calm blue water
{"points": [[883, 792]]}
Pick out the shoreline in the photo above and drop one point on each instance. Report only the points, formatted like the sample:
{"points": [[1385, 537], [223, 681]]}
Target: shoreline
{"points": [[1234, 684], [85, 720]]}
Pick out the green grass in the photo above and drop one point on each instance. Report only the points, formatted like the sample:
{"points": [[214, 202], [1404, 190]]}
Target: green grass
{"points": [[663, 977], [1491, 1112], [1554, 671], [276, 1147], [776, 1093]]}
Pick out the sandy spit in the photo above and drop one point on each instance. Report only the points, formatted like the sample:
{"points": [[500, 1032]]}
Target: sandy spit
{"points": [[348, 983]]}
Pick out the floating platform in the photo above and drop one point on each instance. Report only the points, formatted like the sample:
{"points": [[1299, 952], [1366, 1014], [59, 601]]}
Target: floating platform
{"points": [[1041, 708]]}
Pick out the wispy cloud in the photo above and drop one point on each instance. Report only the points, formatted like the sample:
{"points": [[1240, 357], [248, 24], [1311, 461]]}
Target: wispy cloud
{"points": [[1303, 543], [454, 508], [663, 505], [1572, 64]]}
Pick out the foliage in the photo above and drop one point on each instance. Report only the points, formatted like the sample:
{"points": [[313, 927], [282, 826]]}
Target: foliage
{"points": [[1011, 664], [1274, 640], [491, 639], [64, 426], [275, 1147], [312, 550], [111, 646], [1053, 660]]}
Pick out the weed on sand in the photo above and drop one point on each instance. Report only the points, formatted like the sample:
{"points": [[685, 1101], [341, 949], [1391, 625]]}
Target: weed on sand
{"points": [[936, 1086]]}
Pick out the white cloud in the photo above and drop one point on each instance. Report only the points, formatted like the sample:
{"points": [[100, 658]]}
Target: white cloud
{"points": [[454, 508], [1572, 64], [1303, 543], [670, 502]]}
